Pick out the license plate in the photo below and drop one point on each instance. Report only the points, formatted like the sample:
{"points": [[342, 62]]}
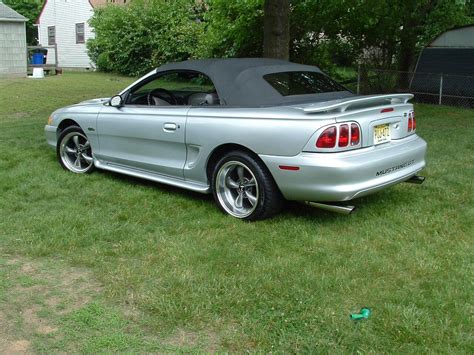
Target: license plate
{"points": [[382, 133]]}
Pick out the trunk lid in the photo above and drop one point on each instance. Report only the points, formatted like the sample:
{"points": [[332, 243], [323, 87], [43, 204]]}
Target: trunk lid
{"points": [[381, 118]]}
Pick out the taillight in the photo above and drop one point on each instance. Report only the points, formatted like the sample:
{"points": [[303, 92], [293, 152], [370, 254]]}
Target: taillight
{"points": [[340, 136], [343, 135], [411, 121], [328, 138], [355, 134]]}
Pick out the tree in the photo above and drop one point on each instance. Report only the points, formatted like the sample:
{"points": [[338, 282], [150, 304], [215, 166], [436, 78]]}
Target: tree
{"points": [[316, 36], [386, 34], [30, 9], [421, 21], [231, 29], [276, 38]]}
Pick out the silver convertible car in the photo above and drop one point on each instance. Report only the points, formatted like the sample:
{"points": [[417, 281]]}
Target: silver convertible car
{"points": [[253, 132]]}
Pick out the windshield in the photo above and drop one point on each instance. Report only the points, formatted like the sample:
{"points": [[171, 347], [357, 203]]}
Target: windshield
{"points": [[302, 83]]}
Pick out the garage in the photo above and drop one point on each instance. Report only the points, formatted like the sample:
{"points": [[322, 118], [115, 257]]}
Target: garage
{"points": [[12, 43], [444, 73]]}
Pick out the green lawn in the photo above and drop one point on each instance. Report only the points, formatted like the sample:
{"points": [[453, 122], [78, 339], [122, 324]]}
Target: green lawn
{"points": [[110, 263]]}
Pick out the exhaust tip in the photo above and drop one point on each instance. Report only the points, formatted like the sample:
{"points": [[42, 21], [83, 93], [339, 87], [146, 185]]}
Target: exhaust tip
{"points": [[347, 210], [416, 179]]}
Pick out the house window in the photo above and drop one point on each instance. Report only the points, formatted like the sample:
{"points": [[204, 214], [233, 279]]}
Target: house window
{"points": [[80, 33], [51, 35]]}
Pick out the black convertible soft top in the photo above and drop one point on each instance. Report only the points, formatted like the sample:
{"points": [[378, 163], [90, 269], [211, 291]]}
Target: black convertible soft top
{"points": [[239, 81]]}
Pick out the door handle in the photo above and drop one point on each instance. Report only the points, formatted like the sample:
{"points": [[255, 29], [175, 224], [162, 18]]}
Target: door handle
{"points": [[169, 126]]}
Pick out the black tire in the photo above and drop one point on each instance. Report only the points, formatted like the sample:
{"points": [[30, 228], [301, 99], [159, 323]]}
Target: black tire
{"points": [[268, 198], [80, 161]]}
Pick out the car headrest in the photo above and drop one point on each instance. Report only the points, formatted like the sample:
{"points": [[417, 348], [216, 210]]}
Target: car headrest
{"points": [[197, 99], [203, 99], [212, 99]]}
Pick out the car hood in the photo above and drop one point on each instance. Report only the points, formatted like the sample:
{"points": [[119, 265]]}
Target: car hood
{"points": [[94, 101], [93, 105]]}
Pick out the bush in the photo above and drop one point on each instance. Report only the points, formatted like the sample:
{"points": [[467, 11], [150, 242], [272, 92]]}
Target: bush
{"points": [[136, 38]]}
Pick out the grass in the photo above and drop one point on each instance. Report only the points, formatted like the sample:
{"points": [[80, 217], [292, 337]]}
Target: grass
{"points": [[161, 269]]}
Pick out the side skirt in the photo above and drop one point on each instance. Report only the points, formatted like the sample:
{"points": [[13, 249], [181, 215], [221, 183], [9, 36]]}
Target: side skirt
{"points": [[204, 189]]}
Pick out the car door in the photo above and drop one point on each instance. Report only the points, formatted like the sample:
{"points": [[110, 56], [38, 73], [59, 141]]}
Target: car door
{"points": [[144, 137]]}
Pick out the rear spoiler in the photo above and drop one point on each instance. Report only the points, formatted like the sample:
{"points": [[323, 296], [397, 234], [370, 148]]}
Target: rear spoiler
{"points": [[367, 101]]}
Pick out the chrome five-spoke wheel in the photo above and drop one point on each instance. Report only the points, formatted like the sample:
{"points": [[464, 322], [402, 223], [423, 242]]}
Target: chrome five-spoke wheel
{"points": [[237, 189], [75, 152], [243, 187]]}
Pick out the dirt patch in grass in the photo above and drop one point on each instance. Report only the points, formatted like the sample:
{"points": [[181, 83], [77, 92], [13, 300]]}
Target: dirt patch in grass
{"points": [[46, 304], [32, 321], [208, 341], [8, 344], [15, 347], [63, 290], [34, 296]]}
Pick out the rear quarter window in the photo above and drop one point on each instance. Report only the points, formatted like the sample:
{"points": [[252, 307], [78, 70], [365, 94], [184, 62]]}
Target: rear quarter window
{"points": [[302, 83]]}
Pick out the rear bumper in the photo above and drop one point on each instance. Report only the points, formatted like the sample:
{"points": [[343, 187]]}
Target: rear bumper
{"points": [[51, 137], [347, 175]]}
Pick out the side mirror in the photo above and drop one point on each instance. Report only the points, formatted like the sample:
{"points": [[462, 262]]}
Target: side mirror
{"points": [[116, 101]]}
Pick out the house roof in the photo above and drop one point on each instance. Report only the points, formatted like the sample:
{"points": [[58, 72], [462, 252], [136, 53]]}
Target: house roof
{"points": [[8, 14], [460, 36], [98, 3]]}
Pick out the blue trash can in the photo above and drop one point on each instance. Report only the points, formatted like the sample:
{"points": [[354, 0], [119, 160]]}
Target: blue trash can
{"points": [[37, 58]]}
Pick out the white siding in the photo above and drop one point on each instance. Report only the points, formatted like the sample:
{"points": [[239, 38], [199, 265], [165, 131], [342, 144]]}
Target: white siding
{"points": [[12, 49], [64, 14]]}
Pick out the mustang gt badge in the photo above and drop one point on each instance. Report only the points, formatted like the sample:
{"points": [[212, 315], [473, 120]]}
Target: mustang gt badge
{"points": [[395, 168]]}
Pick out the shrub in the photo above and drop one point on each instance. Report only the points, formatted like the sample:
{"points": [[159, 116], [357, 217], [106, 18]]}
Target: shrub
{"points": [[136, 38]]}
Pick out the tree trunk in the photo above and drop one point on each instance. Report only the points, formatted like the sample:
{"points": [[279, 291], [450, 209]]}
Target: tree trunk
{"points": [[407, 58], [276, 32], [415, 15]]}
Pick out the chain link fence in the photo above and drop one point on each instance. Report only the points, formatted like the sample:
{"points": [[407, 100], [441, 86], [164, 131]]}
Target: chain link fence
{"points": [[433, 88]]}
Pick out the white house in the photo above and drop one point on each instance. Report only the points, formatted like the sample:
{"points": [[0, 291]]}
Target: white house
{"points": [[65, 23]]}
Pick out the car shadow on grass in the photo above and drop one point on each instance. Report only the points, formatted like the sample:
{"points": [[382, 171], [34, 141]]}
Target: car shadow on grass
{"points": [[131, 180], [292, 209], [379, 203]]}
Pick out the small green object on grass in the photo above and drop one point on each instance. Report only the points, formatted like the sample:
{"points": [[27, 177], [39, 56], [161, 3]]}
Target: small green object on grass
{"points": [[363, 314]]}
